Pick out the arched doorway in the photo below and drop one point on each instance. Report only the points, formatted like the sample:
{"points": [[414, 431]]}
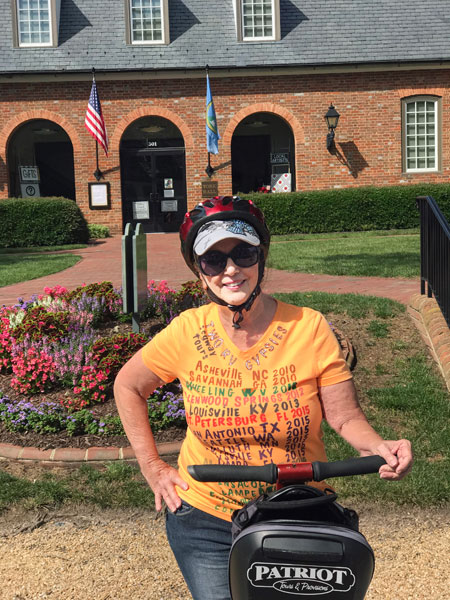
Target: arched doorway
{"points": [[262, 148], [153, 174], [40, 161]]}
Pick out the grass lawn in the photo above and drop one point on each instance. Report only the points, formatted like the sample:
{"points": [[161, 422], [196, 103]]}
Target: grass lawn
{"points": [[371, 254], [118, 486], [39, 249], [15, 268], [400, 390]]}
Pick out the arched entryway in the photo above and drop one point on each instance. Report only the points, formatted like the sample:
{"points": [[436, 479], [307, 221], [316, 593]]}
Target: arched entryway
{"points": [[40, 161], [153, 174], [262, 149]]}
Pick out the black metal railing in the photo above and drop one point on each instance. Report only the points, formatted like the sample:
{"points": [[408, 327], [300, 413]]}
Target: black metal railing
{"points": [[434, 253]]}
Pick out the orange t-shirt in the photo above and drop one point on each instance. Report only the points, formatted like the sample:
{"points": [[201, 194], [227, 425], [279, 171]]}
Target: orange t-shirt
{"points": [[247, 407]]}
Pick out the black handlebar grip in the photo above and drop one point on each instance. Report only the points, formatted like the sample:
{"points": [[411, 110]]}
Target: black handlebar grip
{"points": [[351, 466], [267, 473]]}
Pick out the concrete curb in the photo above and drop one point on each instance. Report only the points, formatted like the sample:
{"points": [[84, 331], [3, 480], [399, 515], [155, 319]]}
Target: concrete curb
{"points": [[434, 330], [75, 457]]}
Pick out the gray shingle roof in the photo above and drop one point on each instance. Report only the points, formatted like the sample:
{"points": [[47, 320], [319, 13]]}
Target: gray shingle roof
{"points": [[313, 33]]}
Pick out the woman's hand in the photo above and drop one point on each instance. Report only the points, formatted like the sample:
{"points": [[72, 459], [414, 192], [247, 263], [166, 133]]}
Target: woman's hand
{"points": [[343, 412], [398, 456], [163, 478]]}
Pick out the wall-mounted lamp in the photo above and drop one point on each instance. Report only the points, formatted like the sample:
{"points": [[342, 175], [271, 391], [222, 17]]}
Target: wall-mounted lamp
{"points": [[332, 119]]}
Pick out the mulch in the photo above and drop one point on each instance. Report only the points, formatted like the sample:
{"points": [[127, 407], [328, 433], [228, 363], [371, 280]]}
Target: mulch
{"points": [[63, 440]]}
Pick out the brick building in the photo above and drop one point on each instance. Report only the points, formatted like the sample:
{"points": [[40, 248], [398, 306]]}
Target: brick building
{"points": [[275, 68]]}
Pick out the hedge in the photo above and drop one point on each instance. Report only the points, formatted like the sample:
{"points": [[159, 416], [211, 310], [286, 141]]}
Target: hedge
{"points": [[28, 222], [349, 209]]}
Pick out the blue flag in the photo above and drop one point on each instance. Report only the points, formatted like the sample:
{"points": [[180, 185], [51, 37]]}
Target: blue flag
{"points": [[212, 133]]}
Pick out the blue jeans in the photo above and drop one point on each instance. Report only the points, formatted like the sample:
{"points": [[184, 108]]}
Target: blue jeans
{"points": [[201, 544]]}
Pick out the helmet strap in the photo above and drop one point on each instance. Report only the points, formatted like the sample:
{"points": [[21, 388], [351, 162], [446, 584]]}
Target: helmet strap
{"points": [[238, 317]]}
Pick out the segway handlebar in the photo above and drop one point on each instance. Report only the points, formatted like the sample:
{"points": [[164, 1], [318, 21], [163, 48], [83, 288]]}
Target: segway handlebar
{"points": [[351, 466], [288, 473], [267, 473]]}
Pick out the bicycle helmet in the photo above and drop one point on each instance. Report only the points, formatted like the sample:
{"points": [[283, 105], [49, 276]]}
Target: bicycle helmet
{"points": [[220, 208], [225, 208]]}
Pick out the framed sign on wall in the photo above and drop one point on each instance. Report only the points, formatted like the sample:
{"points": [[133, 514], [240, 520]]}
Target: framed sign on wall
{"points": [[99, 195]]}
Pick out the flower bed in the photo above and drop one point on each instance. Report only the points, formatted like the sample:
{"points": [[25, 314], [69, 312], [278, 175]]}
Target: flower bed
{"points": [[60, 353]]}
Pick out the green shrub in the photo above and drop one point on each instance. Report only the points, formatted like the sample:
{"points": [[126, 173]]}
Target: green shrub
{"points": [[350, 209], [30, 222], [97, 232]]}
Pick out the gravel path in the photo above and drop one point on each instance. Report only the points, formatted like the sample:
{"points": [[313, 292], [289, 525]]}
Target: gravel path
{"points": [[82, 554]]}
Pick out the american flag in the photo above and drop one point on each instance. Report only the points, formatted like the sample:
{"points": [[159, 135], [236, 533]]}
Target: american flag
{"points": [[94, 119]]}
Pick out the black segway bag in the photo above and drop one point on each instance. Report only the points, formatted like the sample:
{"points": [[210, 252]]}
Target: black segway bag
{"points": [[298, 541]]}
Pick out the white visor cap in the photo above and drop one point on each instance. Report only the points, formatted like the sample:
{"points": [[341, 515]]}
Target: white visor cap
{"points": [[215, 231]]}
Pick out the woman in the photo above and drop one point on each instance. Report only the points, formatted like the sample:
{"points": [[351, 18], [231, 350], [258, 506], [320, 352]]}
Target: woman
{"points": [[258, 377]]}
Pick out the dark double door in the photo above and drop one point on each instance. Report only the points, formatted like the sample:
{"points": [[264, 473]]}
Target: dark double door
{"points": [[154, 188], [250, 155], [55, 163]]}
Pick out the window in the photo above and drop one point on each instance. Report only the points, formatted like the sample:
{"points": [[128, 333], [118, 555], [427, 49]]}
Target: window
{"points": [[421, 133], [257, 20], [34, 23], [148, 21]]}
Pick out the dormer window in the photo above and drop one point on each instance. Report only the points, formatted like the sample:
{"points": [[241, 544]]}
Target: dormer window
{"points": [[257, 20], [148, 21], [36, 22]]}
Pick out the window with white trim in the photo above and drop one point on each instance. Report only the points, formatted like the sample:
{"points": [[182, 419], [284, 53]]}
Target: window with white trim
{"points": [[257, 20], [149, 21], [421, 134], [34, 22]]}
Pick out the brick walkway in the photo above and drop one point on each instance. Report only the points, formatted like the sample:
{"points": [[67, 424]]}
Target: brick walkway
{"points": [[102, 262]]}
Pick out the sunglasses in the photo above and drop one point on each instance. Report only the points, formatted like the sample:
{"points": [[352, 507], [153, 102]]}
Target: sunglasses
{"points": [[214, 262]]}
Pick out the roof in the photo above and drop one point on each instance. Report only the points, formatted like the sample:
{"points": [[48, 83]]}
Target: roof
{"points": [[313, 33]]}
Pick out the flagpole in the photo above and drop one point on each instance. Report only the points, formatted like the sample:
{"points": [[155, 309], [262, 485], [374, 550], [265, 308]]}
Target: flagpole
{"points": [[209, 169], [97, 173]]}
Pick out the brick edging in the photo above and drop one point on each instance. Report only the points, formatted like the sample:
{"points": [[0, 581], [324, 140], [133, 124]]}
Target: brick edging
{"points": [[78, 456], [433, 328]]}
